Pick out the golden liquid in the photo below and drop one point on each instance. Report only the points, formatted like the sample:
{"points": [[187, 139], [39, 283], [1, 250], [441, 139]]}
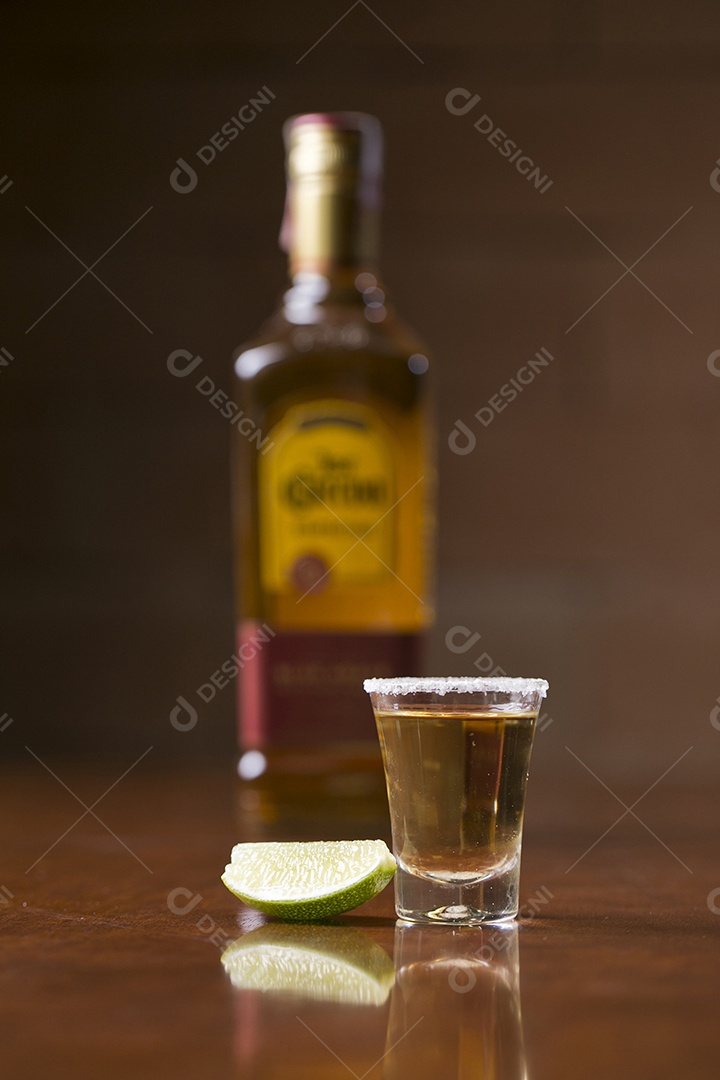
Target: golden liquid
{"points": [[377, 376], [333, 357], [456, 785], [294, 364]]}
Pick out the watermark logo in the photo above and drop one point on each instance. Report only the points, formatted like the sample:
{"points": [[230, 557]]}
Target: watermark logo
{"points": [[712, 363], [714, 715], [715, 177], [462, 978], [184, 716], [460, 640], [191, 900], [460, 101], [182, 901], [184, 177], [181, 363]]}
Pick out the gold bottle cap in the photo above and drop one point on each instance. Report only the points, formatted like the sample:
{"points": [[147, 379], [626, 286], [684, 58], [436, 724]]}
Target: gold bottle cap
{"points": [[334, 170]]}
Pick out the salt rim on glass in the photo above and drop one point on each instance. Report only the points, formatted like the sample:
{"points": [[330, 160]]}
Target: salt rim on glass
{"points": [[464, 684]]}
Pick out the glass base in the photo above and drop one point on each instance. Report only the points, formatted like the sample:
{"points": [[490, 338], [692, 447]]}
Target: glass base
{"points": [[427, 900]]}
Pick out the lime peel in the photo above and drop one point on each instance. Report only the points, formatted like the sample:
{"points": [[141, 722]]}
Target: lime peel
{"points": [[308, 880]]}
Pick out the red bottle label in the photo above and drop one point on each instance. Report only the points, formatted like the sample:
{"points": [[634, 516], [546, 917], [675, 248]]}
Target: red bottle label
{"points": [[301, 688]]}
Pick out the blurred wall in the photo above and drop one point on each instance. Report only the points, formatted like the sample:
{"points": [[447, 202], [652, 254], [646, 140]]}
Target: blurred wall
{"points": [[578, 527]]}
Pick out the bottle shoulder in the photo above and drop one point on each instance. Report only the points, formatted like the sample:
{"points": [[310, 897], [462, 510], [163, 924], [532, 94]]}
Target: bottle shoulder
{"points": [[345, 314], [341, 335]]}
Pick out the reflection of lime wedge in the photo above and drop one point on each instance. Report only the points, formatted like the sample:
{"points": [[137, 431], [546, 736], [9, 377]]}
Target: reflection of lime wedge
{"points": [[310, 880], [328, 963]]}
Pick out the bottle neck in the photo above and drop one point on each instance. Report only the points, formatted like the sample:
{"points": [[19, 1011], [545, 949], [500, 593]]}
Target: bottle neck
{"points": [[329, 231]]}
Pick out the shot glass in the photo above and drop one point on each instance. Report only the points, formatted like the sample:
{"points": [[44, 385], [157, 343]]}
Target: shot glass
{"points": [[456, 754]]}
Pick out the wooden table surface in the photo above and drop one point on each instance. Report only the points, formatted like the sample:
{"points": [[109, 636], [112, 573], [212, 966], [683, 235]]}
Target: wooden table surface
{"points": [[116, 934]]}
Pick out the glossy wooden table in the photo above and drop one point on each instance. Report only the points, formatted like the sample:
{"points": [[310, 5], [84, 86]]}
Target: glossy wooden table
{"points": [[114, 931]]}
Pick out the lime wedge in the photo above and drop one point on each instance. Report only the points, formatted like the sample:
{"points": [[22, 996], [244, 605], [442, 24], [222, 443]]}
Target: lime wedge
{"points": [[310, 880], [325, 963]]}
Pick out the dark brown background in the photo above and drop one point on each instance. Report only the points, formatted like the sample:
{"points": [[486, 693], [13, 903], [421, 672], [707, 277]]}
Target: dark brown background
{"points": [[579, 539]]}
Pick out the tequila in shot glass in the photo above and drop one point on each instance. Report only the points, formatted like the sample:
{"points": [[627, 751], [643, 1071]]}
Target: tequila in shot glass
{"points": [[456, 754]]}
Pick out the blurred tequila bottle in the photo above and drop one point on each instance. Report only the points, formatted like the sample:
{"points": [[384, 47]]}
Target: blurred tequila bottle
{"points": [[334, 497]]}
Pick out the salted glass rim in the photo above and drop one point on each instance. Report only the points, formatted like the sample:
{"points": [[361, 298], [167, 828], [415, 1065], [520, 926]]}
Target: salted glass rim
{"points": [[497, 684]]}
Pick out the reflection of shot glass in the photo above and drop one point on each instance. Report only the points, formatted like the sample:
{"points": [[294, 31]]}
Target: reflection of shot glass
{"points": [[455, 1006], [456, 755]]}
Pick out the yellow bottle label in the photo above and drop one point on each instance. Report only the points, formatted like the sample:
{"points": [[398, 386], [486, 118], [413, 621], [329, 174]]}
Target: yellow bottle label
{"points": [[326, 491]]}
